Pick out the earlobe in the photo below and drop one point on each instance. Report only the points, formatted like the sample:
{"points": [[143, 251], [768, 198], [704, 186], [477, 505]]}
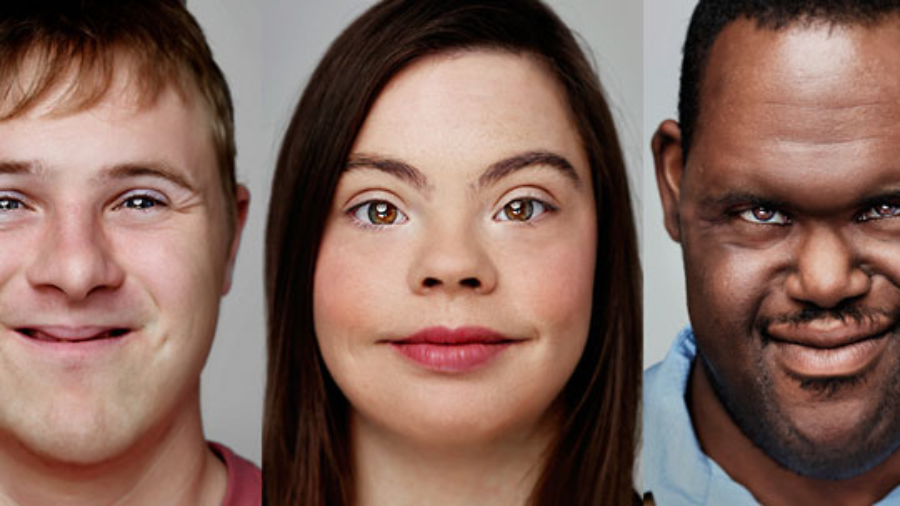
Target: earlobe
{"points": [[242, 204], [669, 160]]}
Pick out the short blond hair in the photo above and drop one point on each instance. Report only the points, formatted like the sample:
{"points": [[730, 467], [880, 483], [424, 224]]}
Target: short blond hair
{"points": [[76, 45]]}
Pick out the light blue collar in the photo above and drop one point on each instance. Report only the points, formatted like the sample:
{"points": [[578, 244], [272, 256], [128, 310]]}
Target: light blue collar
{"points": [[674, 468]]}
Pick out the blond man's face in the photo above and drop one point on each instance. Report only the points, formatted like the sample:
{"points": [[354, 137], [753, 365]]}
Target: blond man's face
{"points": [[116, 253]]}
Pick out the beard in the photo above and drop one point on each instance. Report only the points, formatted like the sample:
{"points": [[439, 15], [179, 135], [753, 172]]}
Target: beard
{"points": [[758, 413]]}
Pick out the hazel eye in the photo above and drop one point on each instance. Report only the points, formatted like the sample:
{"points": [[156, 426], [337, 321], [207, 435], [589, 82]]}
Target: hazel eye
{"points": [[522, 210], [379, 213], [881, 211], [764, 216]]}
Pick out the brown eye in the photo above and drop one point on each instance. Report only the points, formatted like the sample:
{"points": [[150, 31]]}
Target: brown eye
{"points": [[379, 213], [764, 216], [522, 210], [519, 210], [881, 211]]}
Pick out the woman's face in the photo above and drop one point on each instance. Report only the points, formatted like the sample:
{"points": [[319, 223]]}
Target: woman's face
{"points": [[453, 284]]}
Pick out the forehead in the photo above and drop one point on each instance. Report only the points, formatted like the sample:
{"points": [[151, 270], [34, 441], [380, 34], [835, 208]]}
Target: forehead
{"points": [[805, 104], [121, 128], [468, 108]]}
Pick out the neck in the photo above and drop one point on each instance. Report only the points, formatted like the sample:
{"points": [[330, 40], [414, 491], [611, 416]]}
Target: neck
{"points": [[769, 482], [172, 466], [392, 470]]}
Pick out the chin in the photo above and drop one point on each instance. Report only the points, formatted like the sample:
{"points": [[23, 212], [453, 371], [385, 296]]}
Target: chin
{"points": [[830, 462], [75, 448], [77, 435], [454, 425], [825, 444]]}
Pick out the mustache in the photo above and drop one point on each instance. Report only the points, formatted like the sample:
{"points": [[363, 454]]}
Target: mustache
{"points": [[846, 313]]}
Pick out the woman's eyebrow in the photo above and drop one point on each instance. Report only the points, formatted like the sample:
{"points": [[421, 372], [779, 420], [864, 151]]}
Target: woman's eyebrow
{"points": [[499, 170], [496, 171], [396, 168]]}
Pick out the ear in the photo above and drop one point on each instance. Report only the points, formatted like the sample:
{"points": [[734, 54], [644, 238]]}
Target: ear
{"points": [[242, 204], [669, 161]]}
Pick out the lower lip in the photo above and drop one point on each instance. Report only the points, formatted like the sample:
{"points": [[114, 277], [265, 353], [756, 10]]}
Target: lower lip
{"points": [[72, 349], [848, 360], [454, 358]]}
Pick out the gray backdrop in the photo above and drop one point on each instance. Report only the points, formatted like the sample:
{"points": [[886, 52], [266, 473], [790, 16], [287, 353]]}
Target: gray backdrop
{"points": [[268, 50], [233, 381], [665, 309]]}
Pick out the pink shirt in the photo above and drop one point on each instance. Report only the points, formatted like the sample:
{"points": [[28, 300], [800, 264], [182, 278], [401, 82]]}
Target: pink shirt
{"points": [[244, 478]]}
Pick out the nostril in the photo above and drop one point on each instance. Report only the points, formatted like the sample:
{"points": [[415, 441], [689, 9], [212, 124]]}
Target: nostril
{"points": [[471, 283], [431, 282]]}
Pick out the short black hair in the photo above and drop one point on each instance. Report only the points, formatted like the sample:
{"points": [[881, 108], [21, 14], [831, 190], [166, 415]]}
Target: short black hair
{"points": [[712, 16]]}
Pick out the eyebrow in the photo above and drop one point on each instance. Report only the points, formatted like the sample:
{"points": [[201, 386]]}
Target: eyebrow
{"points": [[158, 170], [507, 166], [396, 168], [732, 199], [495, 172], [881, 198], [17, 168]]}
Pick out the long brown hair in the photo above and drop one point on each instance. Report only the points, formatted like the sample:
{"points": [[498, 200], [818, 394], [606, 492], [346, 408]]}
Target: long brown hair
{"points": [[306, 450]]}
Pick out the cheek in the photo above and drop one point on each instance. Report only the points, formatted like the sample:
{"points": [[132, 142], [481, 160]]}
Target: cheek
{"points": [[181, 275], [551, 283], [355, 288], [726, 288], [178, 267], [724, 280]]}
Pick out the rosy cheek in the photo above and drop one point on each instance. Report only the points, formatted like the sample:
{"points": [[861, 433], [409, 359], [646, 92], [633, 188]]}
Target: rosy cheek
{"points": [[558, 287], [344, 290]]}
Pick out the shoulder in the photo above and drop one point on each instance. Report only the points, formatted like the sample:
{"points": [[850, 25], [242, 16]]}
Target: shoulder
{"points": [[244, 478]]}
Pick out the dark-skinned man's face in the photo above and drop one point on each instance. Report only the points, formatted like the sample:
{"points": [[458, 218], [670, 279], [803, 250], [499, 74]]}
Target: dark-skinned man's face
{"points": [[788, 212]]}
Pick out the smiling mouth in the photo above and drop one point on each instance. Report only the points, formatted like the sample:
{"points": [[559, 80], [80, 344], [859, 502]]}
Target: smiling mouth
{"points": [[830, 348], [72, 335], [453, 350]]}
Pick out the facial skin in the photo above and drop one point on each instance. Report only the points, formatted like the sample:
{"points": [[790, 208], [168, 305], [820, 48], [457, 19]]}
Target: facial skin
{"points": [[112, 218], [788, 213], [453, 258]]}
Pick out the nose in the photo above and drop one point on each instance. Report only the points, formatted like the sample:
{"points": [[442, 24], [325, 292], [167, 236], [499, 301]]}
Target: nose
{"points": [[74, 258], [453, 262], [827, 271]]}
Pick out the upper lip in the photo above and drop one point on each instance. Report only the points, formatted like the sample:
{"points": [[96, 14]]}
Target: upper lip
{"points": [[73, 334], [830, 332], [458, 336]]}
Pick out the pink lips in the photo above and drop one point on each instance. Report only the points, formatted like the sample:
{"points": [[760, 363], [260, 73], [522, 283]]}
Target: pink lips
{"points": [[453, 350]]}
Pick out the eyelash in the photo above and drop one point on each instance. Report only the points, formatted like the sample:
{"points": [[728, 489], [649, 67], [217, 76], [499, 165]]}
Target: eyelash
{"points": [[749, 215], [13, 203], [895, 212], [19, 204], [542, 204], [154, 199], [871, 214], [360, 212]]}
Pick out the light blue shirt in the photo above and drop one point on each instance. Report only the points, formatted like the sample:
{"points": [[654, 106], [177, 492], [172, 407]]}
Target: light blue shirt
{"points": [[675, 470]]}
